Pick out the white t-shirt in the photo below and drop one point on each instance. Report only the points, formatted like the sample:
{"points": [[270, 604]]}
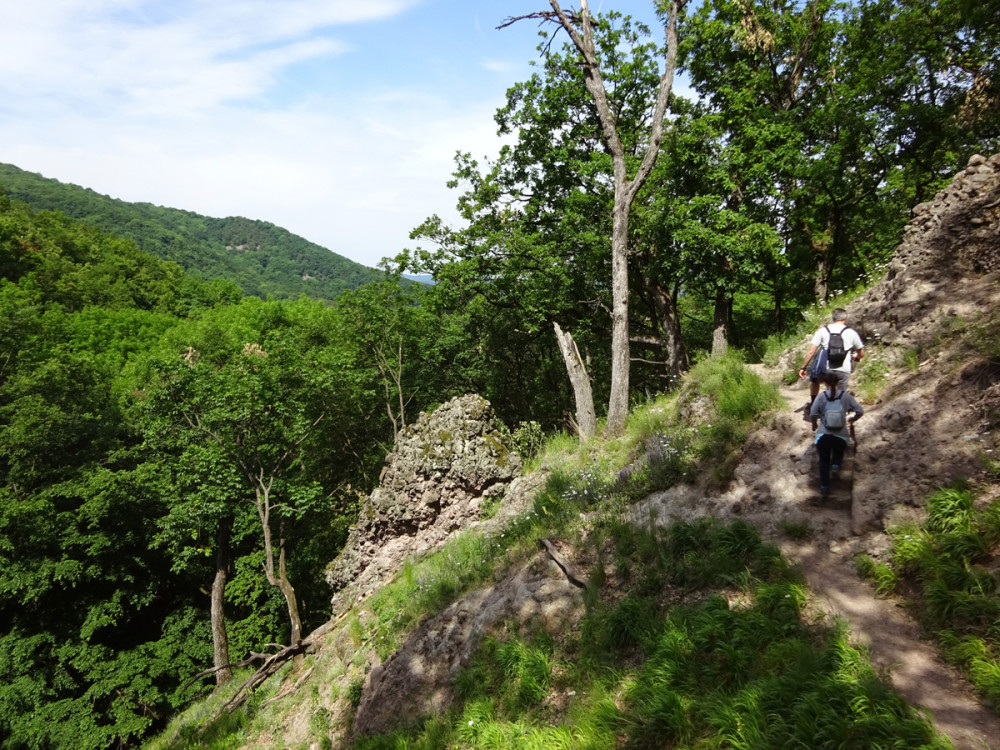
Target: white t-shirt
{"points": [[852, 342]]}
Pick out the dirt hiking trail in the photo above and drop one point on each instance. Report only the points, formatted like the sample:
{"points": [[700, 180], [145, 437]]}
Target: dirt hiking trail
{"points": [[894, 640]]}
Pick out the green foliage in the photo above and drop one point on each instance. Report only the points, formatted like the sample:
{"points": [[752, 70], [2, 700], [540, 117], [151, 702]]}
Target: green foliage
{"points": [[738, 397], [797, 530], [355, 688], [945, 564], [871, 376], [528, 439], [881, 574], [260, 258], [733, 669], [111, 511]]}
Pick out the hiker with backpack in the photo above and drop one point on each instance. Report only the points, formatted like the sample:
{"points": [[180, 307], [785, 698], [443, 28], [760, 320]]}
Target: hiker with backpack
{"points": [[835, 347], [833, 428]]}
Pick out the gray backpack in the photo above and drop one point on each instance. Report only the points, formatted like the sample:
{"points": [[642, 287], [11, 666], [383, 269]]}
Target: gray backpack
{"points": [[835, 417]]}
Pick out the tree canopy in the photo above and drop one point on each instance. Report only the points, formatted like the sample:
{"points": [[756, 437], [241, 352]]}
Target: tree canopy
{"points": [[179, 461]]}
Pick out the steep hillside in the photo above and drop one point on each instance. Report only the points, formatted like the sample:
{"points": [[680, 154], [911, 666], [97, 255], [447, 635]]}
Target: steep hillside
{"points": [[591, 611], [258, 256]]}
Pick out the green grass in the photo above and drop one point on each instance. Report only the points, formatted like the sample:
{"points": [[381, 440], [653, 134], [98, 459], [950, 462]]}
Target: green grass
{"points": [[715, 654], [204, 726], [738, 398], [871, 375], [943, 566]]}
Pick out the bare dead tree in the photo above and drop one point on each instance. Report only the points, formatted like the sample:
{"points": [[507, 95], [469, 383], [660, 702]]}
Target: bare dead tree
{"points": [[579, 27], [586, 419]]}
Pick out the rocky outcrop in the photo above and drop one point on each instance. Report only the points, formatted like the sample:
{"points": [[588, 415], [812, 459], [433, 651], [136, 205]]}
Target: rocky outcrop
{"points": [[435, 482], [933, 423], [951, 242]]}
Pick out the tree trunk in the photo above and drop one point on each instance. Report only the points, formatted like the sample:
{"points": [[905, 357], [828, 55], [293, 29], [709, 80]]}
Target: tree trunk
{"points": [[825, 249], [778, 297], [620, 354], [289, 593], [720, 328], [586, 420], [279, 579], [625, 189], [220, 638], [669, 320]]}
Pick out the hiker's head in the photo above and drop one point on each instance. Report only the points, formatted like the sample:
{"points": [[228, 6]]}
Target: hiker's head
{"points": [[839, 315], [831, 380]]}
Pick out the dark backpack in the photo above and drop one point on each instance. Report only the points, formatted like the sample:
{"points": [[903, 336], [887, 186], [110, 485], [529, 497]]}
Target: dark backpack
{"points": [[836, 351], [834, 417]]}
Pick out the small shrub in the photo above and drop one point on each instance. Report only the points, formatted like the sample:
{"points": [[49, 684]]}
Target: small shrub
{"points": [[882, 576], [986, 341], [528, 439], [872, 375], [355, 689], [950, 509]]}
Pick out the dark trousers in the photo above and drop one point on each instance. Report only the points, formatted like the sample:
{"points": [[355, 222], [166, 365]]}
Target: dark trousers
{"points": [[831, 452]]}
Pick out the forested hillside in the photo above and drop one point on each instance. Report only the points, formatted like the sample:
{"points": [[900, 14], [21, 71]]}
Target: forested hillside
{"points": [[161, 439], [259, 257], [181, 457]]}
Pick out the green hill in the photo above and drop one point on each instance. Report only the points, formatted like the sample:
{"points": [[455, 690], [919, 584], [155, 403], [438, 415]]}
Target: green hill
{"points": [[263, 259]]}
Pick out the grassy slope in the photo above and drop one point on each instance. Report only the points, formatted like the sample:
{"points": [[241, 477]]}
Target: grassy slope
{"points": [[260, 257], [694, 636]]}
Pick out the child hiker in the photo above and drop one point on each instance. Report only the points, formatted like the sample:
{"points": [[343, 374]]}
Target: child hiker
{"points": [[830, 410]]}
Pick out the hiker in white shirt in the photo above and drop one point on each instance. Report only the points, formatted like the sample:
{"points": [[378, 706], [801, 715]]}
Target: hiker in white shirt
{"points": [[820, 349]]}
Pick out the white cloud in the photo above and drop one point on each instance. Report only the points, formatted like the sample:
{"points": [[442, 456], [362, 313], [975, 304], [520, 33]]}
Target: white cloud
{"points": [[500, 66], [198, 105]]}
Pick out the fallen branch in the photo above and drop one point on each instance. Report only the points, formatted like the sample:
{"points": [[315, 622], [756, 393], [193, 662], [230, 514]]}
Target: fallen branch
{"points": [[292, 689], [571, 575], [233, 665], [268, 668]]}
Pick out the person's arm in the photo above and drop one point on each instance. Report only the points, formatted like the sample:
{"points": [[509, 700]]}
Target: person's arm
{"points": [[817, 408], [805, 363], [857, 408], [858, 346]]}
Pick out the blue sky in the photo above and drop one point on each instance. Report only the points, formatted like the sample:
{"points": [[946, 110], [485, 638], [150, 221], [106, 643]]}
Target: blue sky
{"points": [[336, 119]]}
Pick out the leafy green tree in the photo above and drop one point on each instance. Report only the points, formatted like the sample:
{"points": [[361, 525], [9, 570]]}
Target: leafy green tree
{"points": [[838, 117], [93, 638], [236, 400], [536, 248], [626, 182], [100, 627]]}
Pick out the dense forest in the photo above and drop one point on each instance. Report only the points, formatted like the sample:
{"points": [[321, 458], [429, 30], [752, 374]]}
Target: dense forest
{"points": [[260, 258], [181, 457]]}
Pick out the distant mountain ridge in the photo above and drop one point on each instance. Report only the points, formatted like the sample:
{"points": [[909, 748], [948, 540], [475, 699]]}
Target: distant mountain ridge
{"points": [[261, 258]]}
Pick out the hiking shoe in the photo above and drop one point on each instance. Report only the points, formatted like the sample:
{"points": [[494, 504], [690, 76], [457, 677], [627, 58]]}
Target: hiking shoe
{"points": [[835, 471], [824, 491]]}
